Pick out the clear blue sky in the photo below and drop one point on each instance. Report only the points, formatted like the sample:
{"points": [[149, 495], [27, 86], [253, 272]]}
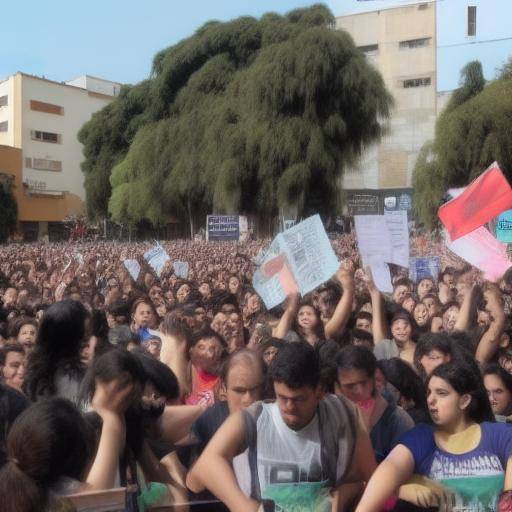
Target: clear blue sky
{"points": [[115, 39]]}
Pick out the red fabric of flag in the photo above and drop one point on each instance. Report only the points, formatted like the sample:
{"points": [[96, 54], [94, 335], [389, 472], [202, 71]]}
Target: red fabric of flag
{"points": [[482, 200]]}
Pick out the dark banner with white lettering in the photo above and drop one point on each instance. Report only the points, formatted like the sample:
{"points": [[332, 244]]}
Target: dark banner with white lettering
{"points": [[223, 227]]}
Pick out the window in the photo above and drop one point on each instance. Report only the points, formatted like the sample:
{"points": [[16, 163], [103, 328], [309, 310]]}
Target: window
{"points": [[369, 49], [3, 101], [414, 43], [45, 136], [416, 82], [46, 165], [472, 20], [43, 164], [4, 126], [48, 108]]}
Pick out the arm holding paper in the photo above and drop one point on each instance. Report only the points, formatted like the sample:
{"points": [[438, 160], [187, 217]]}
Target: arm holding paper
{"points": [[337, 323], [285, 323], [379, 326]]}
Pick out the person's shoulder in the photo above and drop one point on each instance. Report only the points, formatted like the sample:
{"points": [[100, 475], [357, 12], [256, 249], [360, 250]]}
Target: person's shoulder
{"points": [[17, 401], [421, 433], [496, 429]]}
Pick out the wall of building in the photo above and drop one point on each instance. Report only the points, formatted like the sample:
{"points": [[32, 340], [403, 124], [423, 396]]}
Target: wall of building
{"points": [[96, 85], [77, 107], [11, 113], [31, 206], [390, 163], [492, 44], [47, 175]]}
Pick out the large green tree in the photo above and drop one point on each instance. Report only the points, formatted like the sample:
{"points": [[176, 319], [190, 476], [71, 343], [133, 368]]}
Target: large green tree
{"points": [[473, 131], [8, 211], [246, 116]]}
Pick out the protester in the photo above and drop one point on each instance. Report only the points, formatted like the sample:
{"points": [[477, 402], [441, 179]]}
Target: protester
{"points": [[498, 384], [356, 379], [462, 450], [287, 442], [13, 366], [54, 366], [200, 345]]}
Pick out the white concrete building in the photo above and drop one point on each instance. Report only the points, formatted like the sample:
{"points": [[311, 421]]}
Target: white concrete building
{"points": [[42, 118]]}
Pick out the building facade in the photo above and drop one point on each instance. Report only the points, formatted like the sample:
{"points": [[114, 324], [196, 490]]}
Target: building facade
{"points": [[41, 118], [419, 47], [401, 43]]}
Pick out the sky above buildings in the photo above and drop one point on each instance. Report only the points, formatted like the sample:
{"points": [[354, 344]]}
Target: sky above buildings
{"points": [[116, 39]]}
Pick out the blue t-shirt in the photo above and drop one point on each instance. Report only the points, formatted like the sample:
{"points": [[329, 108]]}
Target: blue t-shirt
{"points": [[476, 477]]}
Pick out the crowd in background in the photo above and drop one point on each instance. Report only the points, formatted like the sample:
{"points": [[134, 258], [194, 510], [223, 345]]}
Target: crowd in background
{"points": [[191, 391]]}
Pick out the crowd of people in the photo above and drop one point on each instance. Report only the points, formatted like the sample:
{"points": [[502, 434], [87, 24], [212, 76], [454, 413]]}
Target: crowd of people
{"points": [[189, 392]]}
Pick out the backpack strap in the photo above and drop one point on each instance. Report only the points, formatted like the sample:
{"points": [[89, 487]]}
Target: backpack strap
{"points": [[251, 416]]}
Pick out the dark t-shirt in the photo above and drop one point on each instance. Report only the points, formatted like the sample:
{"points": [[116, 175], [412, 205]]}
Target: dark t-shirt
{"points": [[386, 433], [207, 424]]}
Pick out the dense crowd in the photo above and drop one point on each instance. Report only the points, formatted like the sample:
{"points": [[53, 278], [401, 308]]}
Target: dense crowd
{"points": [[189, 392]]}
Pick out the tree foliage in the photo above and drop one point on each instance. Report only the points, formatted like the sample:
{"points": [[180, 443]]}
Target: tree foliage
{"points": [[8, 212], [469, 137], [242, 117], [471, 82]]}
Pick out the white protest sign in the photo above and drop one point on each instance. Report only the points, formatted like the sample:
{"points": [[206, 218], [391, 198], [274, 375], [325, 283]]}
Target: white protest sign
{"points": [[300, 259], [133, 268], [381, 276], [181, 269], [157, 258], [398, 228], [373, 238]]}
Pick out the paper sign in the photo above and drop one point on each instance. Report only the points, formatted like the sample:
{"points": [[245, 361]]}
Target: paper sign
{"points": [[419, 268], [133, 268], [383, 238], [181, 269], [309, 253], [504, 227], [381, 276], [482, 250], [373, 238], [157, 258], [300, 259], [398, 228]]}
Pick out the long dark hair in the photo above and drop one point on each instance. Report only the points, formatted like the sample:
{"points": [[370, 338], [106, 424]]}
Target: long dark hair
{"points": [[47, 441], [466, 379], [58, 345], [403, 377], [118, 364]]}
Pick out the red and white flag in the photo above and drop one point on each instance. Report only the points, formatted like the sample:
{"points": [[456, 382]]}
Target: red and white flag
{"points": [[482, 200]]}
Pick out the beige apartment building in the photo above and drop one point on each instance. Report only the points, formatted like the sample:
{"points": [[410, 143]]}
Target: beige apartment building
{"points": [[401, 43], [41, 118]]}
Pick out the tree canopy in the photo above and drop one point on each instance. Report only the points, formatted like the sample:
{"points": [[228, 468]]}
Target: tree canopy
{"points": [[245, 116], [469, 136]]}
